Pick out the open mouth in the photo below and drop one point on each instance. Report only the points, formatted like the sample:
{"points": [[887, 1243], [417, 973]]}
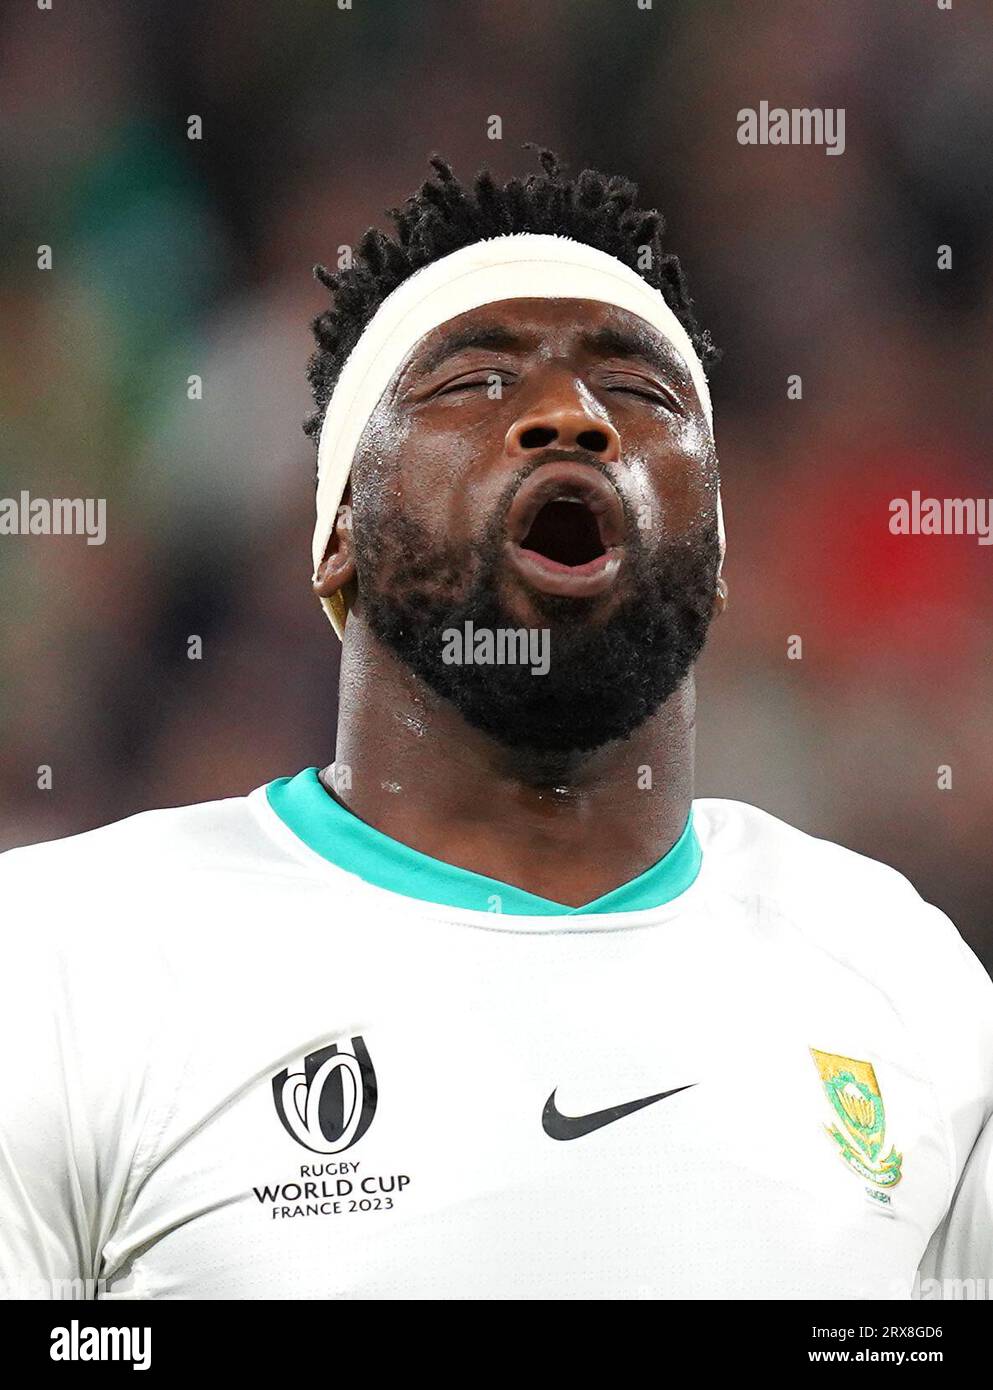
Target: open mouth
{"points": [[565, 530]]}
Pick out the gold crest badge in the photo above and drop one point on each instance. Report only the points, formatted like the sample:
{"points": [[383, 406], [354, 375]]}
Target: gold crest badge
{"points": [[853, 1091]]}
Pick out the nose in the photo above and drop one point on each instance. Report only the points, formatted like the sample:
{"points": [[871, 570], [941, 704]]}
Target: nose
{"points": [[562, 422]]}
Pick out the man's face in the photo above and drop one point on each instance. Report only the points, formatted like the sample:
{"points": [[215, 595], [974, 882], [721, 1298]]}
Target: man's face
{"points": [[541, 464]]}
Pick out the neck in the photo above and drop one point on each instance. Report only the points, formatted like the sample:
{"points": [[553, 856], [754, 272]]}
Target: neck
{"points": [[569, 828]]}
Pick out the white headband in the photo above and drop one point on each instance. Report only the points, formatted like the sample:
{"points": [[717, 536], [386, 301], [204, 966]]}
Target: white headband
{"points": [[522, 265]]}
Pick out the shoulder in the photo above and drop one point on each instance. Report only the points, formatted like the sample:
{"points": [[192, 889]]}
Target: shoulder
{"points": [[768, 855], [853, 904], [140, 928], [140, 851], [132, 885], [812, 895]]}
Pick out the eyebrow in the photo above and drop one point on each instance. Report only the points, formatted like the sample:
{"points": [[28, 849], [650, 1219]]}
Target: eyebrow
{"points": [[633, 342], [491, 336]]}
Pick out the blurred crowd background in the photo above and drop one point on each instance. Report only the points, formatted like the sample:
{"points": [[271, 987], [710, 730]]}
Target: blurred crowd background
{"points": [[174, 257]]}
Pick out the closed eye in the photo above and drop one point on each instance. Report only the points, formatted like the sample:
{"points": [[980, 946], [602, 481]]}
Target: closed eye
{"points": [[645, 390], [634, 391], [474, 382]]}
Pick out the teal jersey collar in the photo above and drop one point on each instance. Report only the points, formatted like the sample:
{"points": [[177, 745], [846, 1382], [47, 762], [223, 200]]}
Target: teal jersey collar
{"points": [[336, 834]]}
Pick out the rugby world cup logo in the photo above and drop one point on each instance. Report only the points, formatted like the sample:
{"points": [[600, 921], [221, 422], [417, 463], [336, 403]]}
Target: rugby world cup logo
{"points": [[329, 1105]]}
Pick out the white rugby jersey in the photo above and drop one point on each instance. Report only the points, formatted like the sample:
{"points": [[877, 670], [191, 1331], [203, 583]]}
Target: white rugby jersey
{"points": [[958, 1264], [254, 1048]]}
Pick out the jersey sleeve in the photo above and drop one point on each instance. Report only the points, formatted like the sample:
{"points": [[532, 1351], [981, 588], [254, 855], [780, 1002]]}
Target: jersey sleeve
{"points": [[48, 1191], [958, 1262], [960, 1251], [63, 1167]]}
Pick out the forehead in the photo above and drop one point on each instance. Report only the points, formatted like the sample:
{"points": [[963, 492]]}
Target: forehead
{"points": [[554, 325]]}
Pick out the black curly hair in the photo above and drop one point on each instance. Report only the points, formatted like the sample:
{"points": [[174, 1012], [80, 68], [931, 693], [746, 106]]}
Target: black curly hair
{"points": [[445, 215]]}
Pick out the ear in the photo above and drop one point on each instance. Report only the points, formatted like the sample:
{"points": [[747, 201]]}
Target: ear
{"points": [[338, 566], [720, 598]]}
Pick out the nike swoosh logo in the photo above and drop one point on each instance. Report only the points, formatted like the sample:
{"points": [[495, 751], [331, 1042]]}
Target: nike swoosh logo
{"points": [[559, 1126]]}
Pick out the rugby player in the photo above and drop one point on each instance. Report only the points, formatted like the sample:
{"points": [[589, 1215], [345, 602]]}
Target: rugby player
{"points": [[492, 1007]]}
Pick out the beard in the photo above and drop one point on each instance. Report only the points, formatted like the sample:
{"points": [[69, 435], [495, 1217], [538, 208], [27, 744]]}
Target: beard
{"points": [[605, 676]]}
